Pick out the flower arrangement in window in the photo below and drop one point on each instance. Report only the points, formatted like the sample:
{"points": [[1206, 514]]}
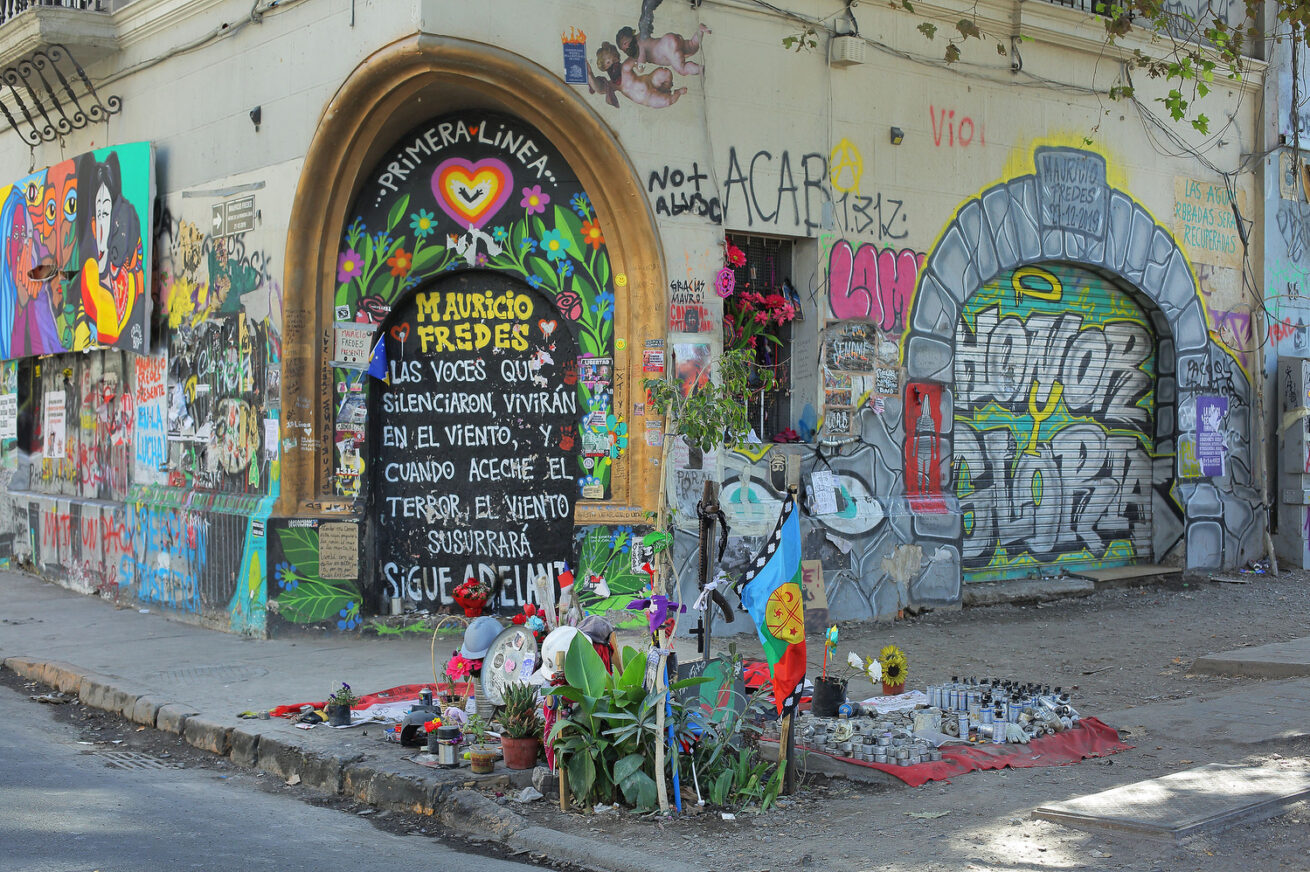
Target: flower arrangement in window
{"points": [[749, 317]]}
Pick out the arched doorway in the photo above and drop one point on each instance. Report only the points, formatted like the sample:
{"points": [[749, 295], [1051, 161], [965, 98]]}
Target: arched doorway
{"points": [[474, 468], [1055, 424]]}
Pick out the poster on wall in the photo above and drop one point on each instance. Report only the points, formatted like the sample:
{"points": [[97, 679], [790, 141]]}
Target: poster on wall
{"points": [[1211, 453], [75, 266], [9, 415], [644, 65], [54, 427]]}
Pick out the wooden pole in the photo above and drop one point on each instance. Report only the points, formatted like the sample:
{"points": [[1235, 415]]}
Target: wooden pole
{"points": [[786, 755], [786, 736], [562, 773]]}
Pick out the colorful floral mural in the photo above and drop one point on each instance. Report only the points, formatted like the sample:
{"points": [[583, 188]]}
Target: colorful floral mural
{"points": [[483, 191]]}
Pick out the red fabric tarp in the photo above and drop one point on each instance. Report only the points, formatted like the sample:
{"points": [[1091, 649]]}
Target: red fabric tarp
{"points": [[1091, 738], [404, 692]]}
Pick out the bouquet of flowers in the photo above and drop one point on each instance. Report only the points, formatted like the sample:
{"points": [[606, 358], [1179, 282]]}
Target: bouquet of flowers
{"points": [[472, 596], [531, 618], [894, 668]]}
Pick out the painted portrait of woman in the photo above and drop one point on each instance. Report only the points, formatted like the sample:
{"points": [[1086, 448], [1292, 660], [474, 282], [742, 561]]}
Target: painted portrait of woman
{"points": [[112, 255]]}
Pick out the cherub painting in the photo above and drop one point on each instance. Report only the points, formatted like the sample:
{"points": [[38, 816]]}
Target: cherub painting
{"points": [[623, 63]]}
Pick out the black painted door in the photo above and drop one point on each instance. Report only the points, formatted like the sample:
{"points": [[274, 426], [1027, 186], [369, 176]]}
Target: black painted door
{"points": [[474, 472]]}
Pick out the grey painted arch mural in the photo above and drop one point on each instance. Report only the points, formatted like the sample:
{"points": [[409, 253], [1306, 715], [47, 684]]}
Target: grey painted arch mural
{"points": [[1067, 212]]}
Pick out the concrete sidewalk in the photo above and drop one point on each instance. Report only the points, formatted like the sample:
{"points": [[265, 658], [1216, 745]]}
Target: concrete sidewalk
{"points": [[193, 682], [1279, 660]]}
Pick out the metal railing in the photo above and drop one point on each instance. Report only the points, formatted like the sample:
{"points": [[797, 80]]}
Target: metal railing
{"points": [[10, 8]]}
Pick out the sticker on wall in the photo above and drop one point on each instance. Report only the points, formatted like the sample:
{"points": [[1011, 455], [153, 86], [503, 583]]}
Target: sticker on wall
{"points": [[575, 57], [851, 347], [923, 477], [1211, 452], [54, 426]]}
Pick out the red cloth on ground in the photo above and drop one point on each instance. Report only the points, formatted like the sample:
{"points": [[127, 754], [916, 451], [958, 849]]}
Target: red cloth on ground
{"points": [[1091, 738], [403, 692]]}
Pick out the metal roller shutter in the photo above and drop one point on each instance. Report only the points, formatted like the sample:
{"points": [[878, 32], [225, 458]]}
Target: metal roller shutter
{"points": [[1055, 374]]}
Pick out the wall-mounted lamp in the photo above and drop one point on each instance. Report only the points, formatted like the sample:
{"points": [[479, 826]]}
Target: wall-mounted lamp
{"points": [[898, 136], [256, 115]]}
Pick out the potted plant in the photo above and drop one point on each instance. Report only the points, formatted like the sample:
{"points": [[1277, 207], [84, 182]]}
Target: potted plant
{"points": [[430, 728], [521, 726], [894, 668], [338, 706], [482, 757], [472, 596]]}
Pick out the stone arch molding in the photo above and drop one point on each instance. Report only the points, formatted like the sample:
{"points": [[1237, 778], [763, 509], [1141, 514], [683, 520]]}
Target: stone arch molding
{"points": [[1067, 211], [394, 89]]}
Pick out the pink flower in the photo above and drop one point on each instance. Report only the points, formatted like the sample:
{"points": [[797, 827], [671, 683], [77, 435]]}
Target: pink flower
{"points": [[762, 318], [533, 200], [569, 305], [725, 282], [349, 266]]}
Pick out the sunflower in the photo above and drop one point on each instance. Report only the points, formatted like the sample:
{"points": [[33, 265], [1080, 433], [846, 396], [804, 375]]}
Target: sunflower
{"points": [[894, 666]]}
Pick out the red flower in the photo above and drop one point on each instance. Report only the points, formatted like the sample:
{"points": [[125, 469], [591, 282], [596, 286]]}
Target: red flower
{"points": [[400, 262], [591, 234], [732, 254], [569, 305]]}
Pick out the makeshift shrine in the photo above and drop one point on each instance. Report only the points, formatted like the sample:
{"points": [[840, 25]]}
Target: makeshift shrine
{"points": [[618, 723]]}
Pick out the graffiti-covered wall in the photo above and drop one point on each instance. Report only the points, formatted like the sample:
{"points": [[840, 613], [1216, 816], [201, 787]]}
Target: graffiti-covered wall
{"points": [[149, 477], [1017, 336]]}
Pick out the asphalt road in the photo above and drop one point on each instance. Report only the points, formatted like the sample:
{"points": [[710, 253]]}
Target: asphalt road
{"points": [[65, 808]]}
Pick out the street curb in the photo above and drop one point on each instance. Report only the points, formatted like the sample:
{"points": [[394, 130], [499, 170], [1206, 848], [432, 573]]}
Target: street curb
{"points": [[463, 811], [1235, 667]]}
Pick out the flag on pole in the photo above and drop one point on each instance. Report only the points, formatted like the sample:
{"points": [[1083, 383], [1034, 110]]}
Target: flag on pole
{"points": [[377, 362], [771, 593]]}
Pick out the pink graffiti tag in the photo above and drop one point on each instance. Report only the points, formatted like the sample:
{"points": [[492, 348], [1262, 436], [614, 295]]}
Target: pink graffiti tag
{"points": [[873, 285]]}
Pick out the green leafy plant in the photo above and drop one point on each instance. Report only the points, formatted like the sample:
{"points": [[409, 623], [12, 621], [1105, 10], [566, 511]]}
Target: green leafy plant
{"points": [[606, 744], [521, 715], [343, 696], [713, 414], [476, 729], [725, 751], [1193, 50]]}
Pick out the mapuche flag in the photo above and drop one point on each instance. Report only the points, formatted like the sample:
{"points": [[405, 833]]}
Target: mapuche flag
{"points": [[771, 592]]}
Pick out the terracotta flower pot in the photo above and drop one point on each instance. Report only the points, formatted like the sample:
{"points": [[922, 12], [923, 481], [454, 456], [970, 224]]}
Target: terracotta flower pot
{"points": [[472, 607], [892, 689], [520, 753]]}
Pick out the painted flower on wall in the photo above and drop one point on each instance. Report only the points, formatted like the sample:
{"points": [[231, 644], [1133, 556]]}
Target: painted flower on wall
{"points": [[591, 234], [372, 310], [616, 433], [422, 223], [349, 265], [581, 204], [604, 305], [534, 201], [569, 304], [552, 242], [286, 575], [400, 262], [348, 617]]}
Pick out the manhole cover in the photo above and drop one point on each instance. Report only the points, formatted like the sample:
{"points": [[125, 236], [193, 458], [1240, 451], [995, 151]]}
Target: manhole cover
{"points": [[223, 672], [132, 760]]}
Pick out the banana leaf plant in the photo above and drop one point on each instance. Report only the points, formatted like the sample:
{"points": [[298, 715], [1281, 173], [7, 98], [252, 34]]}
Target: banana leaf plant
{"points": [[607, 743]]}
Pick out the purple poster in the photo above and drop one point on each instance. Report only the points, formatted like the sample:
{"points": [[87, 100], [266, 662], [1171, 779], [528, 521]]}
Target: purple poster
{"points": [[1210, 452]]}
